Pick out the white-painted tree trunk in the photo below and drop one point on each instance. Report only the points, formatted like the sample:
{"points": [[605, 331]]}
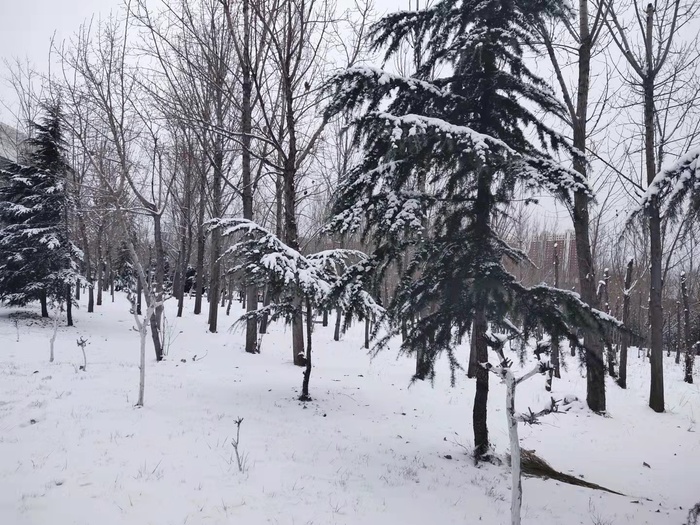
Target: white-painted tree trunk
{"points": [[516, 480], [512, 417], [56, 319]]}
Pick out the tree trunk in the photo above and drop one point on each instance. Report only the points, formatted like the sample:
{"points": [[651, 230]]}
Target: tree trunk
{"points": [[264, 321], [656, 389], [139, 294], [367, 332], [201, 242], [307, 371], [43, 303], [556, 368], [99, 267], [69, 305], [679, 332], [336, 332], [480, 352], [215, 273], [689, 346], [325, 318], [157, 314], [624, 343]]}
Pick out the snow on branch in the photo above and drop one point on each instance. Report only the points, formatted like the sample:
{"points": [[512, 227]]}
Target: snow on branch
{"points": [[672, 184]]}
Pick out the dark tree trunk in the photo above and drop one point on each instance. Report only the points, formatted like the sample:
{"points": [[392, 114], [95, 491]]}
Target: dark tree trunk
{"points": [[139, 294], [307, 371], [264, 321], [689, 346], [77, 291], [656, 389], [556, 367], [158, 288], [479, 415], [624, 342], [367, 331], [215, 270], [336, 332], [679, 332], [69, 305], [43, 303], [325, 318], [100, 269], [201, 243]]}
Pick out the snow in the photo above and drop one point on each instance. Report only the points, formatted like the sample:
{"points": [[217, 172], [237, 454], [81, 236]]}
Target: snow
{"points": [[370, 449]]}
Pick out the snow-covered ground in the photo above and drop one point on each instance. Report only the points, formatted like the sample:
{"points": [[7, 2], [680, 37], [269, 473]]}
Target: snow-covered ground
{"points": [[370, 448]]}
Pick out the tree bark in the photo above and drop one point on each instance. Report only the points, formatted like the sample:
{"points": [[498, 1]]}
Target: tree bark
{"points": [[336, 332], [201, 242], [689, 346], [43, 303], [69, 305], [624, 340], [100, 271], [157, 314], [656, 389], [307, 371], [479, 414]]}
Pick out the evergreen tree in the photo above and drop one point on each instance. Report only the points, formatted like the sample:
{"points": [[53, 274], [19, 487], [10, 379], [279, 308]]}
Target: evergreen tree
{"points": [[443, 156], [37, 259]]}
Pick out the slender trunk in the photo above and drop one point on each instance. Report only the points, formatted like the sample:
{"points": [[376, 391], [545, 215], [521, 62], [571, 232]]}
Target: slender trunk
{"points": [[679, 332], [516, 495], [139, 294], [307, 371], [251, 291], [367, 332], [325, 318], [264, 320], [143, 333], [336, 332], [215, 273], [201, 241], [157, 314], [656, 389], [624, 343], [69, 305], [99, 267], [479, 415], [689, 346], [43, 303], [556, 368], [230, 295], [77, 291], [57, 317]]}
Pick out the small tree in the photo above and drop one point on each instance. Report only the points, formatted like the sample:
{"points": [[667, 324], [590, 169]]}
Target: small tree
{"points": [[328, 279]]}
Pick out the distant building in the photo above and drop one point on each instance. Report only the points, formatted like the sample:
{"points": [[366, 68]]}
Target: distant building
{"points": [[10, 144]]}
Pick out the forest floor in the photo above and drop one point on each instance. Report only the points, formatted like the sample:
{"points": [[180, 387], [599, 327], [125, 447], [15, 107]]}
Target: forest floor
{"points": [[370, 449]]}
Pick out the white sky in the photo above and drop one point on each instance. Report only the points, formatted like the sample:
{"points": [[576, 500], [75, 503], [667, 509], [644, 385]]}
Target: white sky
{"points": [[26, 28]]}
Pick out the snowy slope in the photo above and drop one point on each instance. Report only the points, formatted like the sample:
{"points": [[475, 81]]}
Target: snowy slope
{"points": [[370, 449]]}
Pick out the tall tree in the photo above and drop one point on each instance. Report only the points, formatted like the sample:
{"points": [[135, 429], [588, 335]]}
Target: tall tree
{"points": [[38, 261], [655, 66], [586, 36], [467, 133]]}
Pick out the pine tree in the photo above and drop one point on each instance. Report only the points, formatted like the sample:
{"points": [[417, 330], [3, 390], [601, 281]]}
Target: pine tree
{"points": [[37, 259], [455, 149]]}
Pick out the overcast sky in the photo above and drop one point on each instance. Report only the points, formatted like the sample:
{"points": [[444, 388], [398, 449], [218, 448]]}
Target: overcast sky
{"points": [[26, 27]]}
